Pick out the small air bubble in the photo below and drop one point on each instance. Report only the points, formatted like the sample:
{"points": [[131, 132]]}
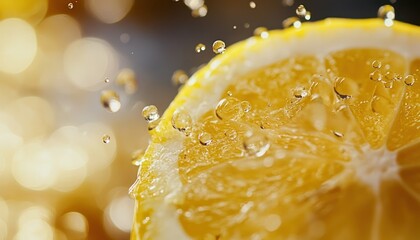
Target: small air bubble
{"points": [[182, 122], [219, 46], [246, 106], [388, 84], [247, 25], [229, 108], [70, 5], [344, 88], [409, 80], [205, 138], [292, 22], [300, 92], [375, 76], [261, 32], [338, 134], [150, 113], [106, 139], [256, 144], [301, 11], [231, 134], [179, 77], [200, 48], [376, 64], [110, 101], [252, 4]]}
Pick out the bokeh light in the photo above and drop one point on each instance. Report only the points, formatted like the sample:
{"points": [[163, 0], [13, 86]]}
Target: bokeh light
{"points": [[109, 11], [32, 11], [18, 45]]}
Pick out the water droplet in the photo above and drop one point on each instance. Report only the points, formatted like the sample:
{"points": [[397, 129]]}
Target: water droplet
{"points": [[229, 108], [261, 32], [256, 144], [344, 88], [234, 27], [106, 139], [375, 76], [386, 12], [252, 4], [110, 100], [150, 113], [106, 80], [409, 80], [179, 77], [70, 5], [292, 22], [231, 134], [137, 157], [247, 25], [376, 64], [288, 3], [338, 134], [246, 106], [200, 48], [127, 78], [200, 12], [301, 11], [300, 92], [182, 122], [153, 124], [205, 138], [308, 16], [219, 46]]}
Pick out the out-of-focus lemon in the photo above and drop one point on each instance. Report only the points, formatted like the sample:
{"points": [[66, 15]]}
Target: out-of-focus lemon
{"points": [[311, 133]]}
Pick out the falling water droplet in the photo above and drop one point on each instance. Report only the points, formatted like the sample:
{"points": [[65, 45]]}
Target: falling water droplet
{"points": [[409, 80], [256, 144], [219, 46], [179, 77], [182, 121], [110, 100], [301, 11], [137, 157], [205, 138], [229, 108], [200, 12], [106, 80], [70, 5], [307, 16], [387, 12], [292, 22], [288, 3], [150, 113], [106, 139], [200, 48], [252, 4], [261, 32], [127, 78]]}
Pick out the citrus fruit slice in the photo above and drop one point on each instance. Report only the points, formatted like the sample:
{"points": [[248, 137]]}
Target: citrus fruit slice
{"points": [[309, 133]]}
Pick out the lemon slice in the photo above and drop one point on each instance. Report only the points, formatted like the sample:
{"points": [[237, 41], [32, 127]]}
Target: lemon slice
{"points": [[310, 133]]}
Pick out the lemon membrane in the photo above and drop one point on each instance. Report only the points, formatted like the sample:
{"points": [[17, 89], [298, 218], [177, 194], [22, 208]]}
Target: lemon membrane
{"points": [[310, 133]]}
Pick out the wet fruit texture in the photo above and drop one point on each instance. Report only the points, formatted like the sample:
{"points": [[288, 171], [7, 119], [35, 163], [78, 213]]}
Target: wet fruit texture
{"points": [[309, 147]]}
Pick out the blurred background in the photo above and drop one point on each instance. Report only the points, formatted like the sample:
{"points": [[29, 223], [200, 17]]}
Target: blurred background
{"points": [[74, 78]]}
